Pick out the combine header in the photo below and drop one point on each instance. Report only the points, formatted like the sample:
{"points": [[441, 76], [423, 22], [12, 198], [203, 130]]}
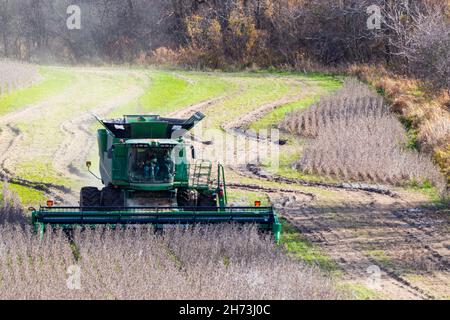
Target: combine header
{"points": [[151, 177]]}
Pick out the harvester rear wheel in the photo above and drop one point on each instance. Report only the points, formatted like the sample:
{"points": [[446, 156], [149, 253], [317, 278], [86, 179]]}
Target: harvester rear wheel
{"points": [[89, 197], [186, 198], [112, 197], [206, 201]]}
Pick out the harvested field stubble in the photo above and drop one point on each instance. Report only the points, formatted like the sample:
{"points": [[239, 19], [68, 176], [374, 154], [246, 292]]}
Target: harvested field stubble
{"points": [[353, 135], [210, 262]]}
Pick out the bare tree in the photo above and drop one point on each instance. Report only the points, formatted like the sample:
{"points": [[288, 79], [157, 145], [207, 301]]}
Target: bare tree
{"points": [[420, 37]]}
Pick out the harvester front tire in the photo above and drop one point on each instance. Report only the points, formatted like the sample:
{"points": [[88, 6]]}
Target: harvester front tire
{"points": [[89, 197], [206, 201], [186, 198], [112, 197]]}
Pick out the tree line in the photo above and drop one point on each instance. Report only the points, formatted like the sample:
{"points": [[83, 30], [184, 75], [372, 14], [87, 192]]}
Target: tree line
{"points": [[414, 35]]}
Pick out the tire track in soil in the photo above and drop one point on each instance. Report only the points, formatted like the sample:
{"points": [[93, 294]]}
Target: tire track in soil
{"points": [[10, 137], [315, 225], [423, 221], [198, 107], [80, 139], [7, 175], [262, 174], [74, 149], [345, 252]]}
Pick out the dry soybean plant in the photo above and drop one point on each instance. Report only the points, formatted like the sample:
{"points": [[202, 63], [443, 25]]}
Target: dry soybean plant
{"points": [[354, 136], [11, 210], [200, 262], [16, 75]]}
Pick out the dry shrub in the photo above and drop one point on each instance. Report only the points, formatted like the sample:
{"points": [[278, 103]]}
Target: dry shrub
{"points": [[206, 47], [359, 71], [355, 137], [442, 157], [212, 44], [164, 56], [391, 87], [444, 100], [428, 47], [435, 132], [400, 105], [201, 262]]}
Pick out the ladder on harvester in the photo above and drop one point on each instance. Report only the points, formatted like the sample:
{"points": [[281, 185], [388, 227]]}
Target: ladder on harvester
{"points": [[202, 174]]}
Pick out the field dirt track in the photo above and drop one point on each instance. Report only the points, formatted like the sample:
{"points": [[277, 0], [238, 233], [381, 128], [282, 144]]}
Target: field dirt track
{"points": [[72, 130], [361, 229]]}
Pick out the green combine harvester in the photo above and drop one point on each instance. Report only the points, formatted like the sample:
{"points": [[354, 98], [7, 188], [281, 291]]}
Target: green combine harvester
{"points": [[151, 177]]}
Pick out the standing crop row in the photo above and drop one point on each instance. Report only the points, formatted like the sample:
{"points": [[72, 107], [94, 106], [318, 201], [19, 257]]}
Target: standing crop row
{"points": [[353, 135], [16, 75], [208, 262]]}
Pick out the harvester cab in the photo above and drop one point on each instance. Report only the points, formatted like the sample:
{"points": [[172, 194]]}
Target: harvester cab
{"points": [[150, 176], [144, 162]]}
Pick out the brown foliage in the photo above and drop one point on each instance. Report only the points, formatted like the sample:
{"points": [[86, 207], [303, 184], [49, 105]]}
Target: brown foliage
{"points": [[163, 56], [400, 105], [214, 44]]}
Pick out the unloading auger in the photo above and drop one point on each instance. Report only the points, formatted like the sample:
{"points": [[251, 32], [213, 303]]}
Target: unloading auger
{"points": [[150, 176]]}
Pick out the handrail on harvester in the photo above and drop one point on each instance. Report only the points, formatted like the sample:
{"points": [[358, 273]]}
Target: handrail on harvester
{"points": [[221, 180]]}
